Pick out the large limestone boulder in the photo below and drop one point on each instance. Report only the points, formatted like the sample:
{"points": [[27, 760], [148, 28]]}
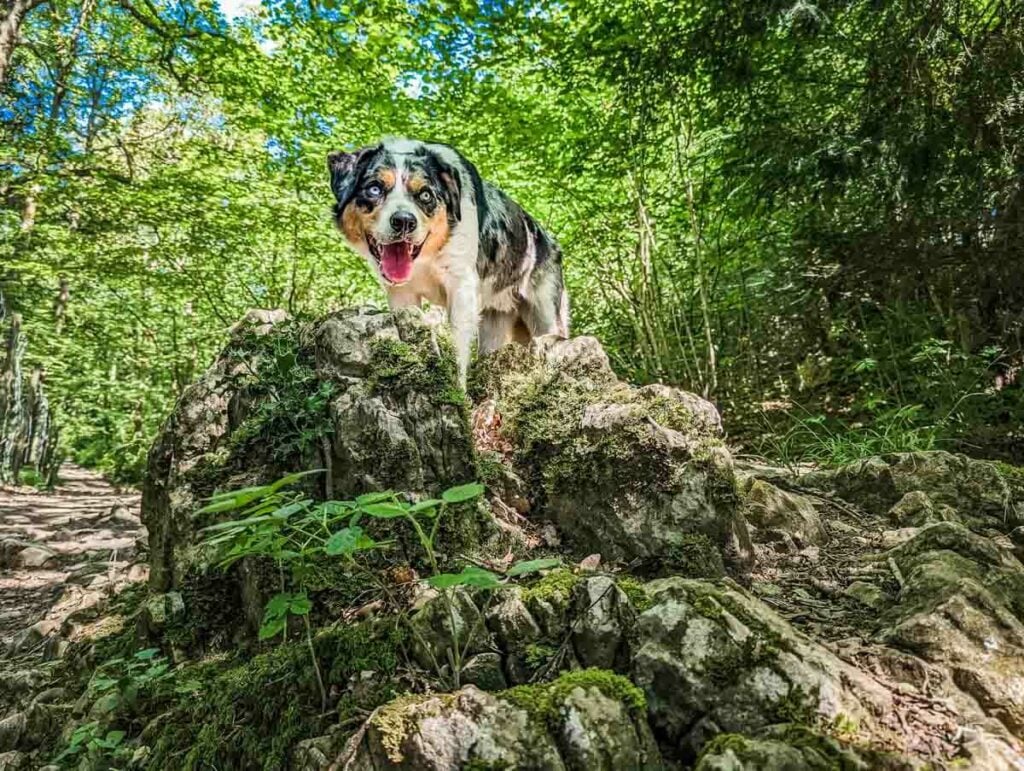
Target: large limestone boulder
{"points": [[369, 396], [629, 473]]}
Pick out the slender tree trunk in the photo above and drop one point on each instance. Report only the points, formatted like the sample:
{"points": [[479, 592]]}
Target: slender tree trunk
{"points": [[14, 12]]}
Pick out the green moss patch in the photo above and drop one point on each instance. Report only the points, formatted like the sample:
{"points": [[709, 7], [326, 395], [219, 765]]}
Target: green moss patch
{"points": [[250, 714], [425, 366], [544, 701]]}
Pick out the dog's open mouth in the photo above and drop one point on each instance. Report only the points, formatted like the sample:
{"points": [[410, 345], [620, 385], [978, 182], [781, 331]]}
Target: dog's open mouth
{"points": [[395, 258]]}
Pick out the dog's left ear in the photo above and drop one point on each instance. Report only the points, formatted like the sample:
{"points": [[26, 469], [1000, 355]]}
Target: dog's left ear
{"points": [[452, 181], [343, 168]]}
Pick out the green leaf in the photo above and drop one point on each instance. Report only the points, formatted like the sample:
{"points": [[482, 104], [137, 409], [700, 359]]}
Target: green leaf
{"points": [[300, 605], [463, 493], [374, 498], [532, 566], [114, 738], [145, 655], [347, 541], [232, 494], [277, 605], [471, 575], [292, 479], [430, 505], [272, 628], [385, 510]]}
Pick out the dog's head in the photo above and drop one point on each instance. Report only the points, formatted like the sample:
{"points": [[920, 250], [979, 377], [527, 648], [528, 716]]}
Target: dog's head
{"points": [[396, 202]]}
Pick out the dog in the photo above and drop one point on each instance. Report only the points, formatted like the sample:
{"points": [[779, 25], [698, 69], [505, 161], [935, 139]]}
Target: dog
{"points": [[432, 229]]}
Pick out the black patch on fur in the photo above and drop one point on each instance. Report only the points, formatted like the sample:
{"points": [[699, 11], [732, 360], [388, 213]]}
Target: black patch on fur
{"points": [[349, 171]]}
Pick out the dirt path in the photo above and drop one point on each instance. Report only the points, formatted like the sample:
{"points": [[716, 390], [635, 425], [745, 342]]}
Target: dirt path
{"points": [[63, 552]]}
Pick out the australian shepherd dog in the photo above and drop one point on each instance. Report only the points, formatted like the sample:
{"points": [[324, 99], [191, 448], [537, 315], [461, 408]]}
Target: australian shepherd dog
{"points": [[432, 229]]}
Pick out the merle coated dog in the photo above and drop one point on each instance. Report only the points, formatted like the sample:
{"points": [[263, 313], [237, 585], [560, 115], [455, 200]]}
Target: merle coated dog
{"points": [[433, 230]]}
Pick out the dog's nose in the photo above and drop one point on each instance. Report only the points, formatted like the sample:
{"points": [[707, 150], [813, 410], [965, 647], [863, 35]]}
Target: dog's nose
{"points": [[403, 222]]}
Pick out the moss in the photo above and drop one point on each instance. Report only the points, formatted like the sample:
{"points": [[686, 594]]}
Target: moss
{"points": [[695, 556], [723, 743], [555, 586], [543, 702], [425, 366], [730, 665], [394, 720], [536, 656], [634, 589], [264, 704], [285, 401]]}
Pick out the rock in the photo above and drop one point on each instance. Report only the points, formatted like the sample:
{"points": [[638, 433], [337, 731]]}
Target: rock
{"points": [[464, 730], [627, 473], [319, 752], [511, 622], [977, 489], [713, 659], [10, 548], [961, 606], [766, 507], [157, 612], [584, 721], [446, 625], [866, 593], [485, 672], [35, 557], [28, 729], [385, 383], [13, 761], [793, 748], [34, 636], [916, 509], [602, 618], [122, 515], [597, 732]]}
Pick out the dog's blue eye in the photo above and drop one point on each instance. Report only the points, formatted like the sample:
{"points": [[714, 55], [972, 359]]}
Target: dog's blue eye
{"points": [[425, 196], [374, 191]]}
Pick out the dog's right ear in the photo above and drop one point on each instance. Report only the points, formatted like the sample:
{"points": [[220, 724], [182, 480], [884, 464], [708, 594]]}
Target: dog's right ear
{"points": [[342, 167]]}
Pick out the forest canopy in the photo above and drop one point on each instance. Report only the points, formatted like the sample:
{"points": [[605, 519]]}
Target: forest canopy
{"points": [[809, 212]]}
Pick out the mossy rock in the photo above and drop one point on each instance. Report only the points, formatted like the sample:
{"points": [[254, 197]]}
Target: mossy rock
{"points": [[628, 473], [371, 397], [979, 490], [588, 719]]}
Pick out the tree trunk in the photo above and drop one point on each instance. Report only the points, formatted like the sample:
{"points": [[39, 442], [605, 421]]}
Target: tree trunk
{"points": [[14, 14]]}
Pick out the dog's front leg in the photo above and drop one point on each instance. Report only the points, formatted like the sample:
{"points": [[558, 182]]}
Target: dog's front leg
{"points": [[464, 318]]}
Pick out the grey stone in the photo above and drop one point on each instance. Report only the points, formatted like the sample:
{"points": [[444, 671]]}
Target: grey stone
{"points": [[602, 619], [767, 507], [484, 671], [712, 659]]}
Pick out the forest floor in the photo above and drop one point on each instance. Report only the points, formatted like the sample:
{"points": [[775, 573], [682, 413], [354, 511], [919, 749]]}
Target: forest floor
{"points": [[63, 552]]}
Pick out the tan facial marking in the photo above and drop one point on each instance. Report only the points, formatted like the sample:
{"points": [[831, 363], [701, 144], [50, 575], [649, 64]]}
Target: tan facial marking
{"points": [[416, 183], [387, 178], [356, 223], [439, 232]]}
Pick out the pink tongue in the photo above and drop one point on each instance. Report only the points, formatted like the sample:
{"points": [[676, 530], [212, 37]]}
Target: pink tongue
{"points": [[396, 261]]}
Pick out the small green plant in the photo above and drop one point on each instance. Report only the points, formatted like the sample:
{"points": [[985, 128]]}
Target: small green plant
{"points": [[89, 739], [293, 530], [128, 675]]}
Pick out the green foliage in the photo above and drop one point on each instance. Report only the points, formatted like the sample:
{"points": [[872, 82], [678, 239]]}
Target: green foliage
{"points": [[205, 702], [96, 744], [290, 413], [765, 203]]}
